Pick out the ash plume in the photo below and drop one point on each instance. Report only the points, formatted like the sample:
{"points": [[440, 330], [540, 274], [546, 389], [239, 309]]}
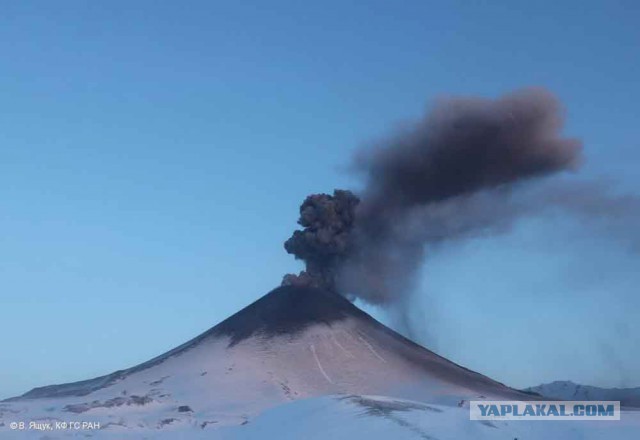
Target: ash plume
{"points": [[326, 241], [470, 166]]}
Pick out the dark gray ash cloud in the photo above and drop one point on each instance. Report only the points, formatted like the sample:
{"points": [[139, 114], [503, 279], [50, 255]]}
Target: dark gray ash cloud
{"points": [[470, 166], [326, 241]]}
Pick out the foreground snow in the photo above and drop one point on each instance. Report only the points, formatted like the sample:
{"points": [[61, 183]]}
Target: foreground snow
{"points": [[374, 417], [371, 417]]}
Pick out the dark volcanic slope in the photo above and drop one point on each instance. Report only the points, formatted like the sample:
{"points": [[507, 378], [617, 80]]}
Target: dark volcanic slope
{"points": [[287, 309]]}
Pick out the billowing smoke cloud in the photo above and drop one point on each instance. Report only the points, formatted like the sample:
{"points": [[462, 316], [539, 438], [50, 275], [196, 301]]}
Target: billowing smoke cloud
{"points": [[471, 166], [327, 239]]}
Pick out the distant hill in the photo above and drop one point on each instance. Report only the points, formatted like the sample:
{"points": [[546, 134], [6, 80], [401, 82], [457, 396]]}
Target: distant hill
{"points": [[567, 390]]}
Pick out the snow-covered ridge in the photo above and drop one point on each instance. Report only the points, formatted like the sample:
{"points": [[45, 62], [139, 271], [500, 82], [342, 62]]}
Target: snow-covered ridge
{"points": [[567, 390]]}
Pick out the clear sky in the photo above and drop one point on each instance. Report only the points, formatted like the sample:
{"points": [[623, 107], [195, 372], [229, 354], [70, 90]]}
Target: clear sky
{"points": [[153, 156]]}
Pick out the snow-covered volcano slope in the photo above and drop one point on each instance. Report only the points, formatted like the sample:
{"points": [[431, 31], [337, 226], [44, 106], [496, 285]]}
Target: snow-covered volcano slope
{"points": [[294, 343]]}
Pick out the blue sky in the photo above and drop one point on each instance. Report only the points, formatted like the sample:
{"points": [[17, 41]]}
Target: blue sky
{"points": [[153, 156]]}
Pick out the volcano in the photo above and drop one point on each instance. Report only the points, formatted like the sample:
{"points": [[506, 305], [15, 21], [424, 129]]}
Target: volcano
{"points": [[298, 348]]}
